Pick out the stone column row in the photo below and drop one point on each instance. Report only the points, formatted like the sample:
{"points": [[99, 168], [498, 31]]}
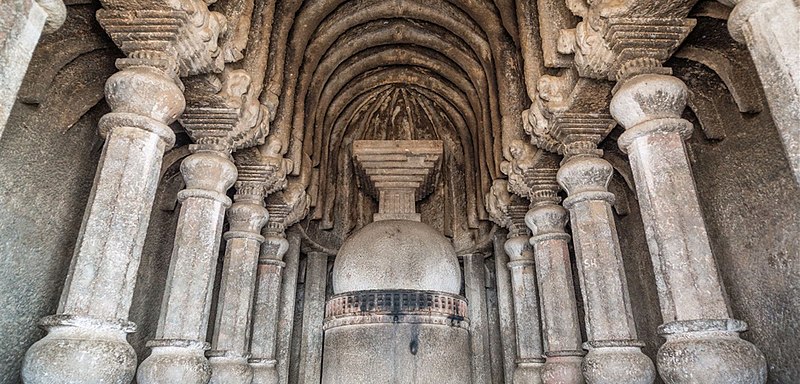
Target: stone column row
{"points": [[286, 207], [614, 351], [230, 343], [178, 352]]}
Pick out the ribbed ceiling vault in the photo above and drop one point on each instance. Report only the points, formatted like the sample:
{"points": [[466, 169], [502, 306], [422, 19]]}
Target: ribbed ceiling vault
{"points": [[336, 65]]}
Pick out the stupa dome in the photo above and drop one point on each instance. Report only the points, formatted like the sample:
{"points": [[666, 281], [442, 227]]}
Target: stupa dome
{"points": [[396, 254]]}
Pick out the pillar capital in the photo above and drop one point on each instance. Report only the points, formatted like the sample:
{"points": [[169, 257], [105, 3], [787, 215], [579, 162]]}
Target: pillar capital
{"points": [[586, 177], [179, 37], [648, 104], [742, 11], [607, 43], [222, 114], [56, 14], [207, 172]]}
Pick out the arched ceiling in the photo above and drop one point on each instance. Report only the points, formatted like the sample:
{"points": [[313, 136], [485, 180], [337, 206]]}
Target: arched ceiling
{"points": [[342, 67]]}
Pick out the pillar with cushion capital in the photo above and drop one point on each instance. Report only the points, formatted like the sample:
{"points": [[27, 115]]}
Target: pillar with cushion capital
{"points": [[703, 344], [86, 339]]}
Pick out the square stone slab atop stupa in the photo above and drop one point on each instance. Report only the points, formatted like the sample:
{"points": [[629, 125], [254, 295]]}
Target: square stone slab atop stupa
{"points": [[397, 173]]}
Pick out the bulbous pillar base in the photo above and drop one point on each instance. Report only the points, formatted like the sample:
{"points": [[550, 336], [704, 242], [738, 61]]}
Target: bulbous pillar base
{"points": [[175, 361], [265, 371], [563, 368], [709, 352], [229, 368], [528, 371], [615, 362], [81, 350]]}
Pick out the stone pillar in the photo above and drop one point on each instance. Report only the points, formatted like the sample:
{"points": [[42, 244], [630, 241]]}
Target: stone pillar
{"points": [[21, 24], [703, 343], [313, 317], [178, 352], [562, 335], [615, 354], [86, 340], [268, 300], [475, 292], [505, 303], [508, 211], [230, 344], [285, 208], [287, 307], [526, 306], [771, 30]]}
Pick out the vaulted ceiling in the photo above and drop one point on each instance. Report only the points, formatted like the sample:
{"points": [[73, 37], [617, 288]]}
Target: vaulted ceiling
{"points": [[375, 69]]}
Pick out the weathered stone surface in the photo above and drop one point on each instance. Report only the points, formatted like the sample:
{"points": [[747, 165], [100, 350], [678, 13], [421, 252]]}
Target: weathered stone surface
{"points": [[332, 72], [770, 30], [690, 291], [180, 341], [396, 254], [417, 351], [99, 288], [614, 355], [316, 275]]}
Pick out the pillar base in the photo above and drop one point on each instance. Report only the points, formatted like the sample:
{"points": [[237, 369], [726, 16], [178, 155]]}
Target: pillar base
{"points": [[175, 361], [265, 371], [709, 351], [563, 367], [79, 349], [228, 367], [617, 361], [528, 371]]}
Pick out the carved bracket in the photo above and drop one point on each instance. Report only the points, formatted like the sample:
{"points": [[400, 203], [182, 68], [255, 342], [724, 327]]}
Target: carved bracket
{"points": [[617, 40], [507, 210], [221, 114], [178, 36]]}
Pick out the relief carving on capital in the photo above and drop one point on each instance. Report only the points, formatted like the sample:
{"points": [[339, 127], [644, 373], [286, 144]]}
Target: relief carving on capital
{"points": [[570, 114], [262, 170], [178, 36], [222, 114], [608, 42], [507, 210]]}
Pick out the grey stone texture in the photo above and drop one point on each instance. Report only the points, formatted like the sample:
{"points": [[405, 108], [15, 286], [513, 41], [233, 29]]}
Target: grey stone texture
{"points": [[231, 339], [614, 353], [416, 352], [397, 254], [702, 342], [771, 30], [560, 324], [299, 82], [178, 350]]}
